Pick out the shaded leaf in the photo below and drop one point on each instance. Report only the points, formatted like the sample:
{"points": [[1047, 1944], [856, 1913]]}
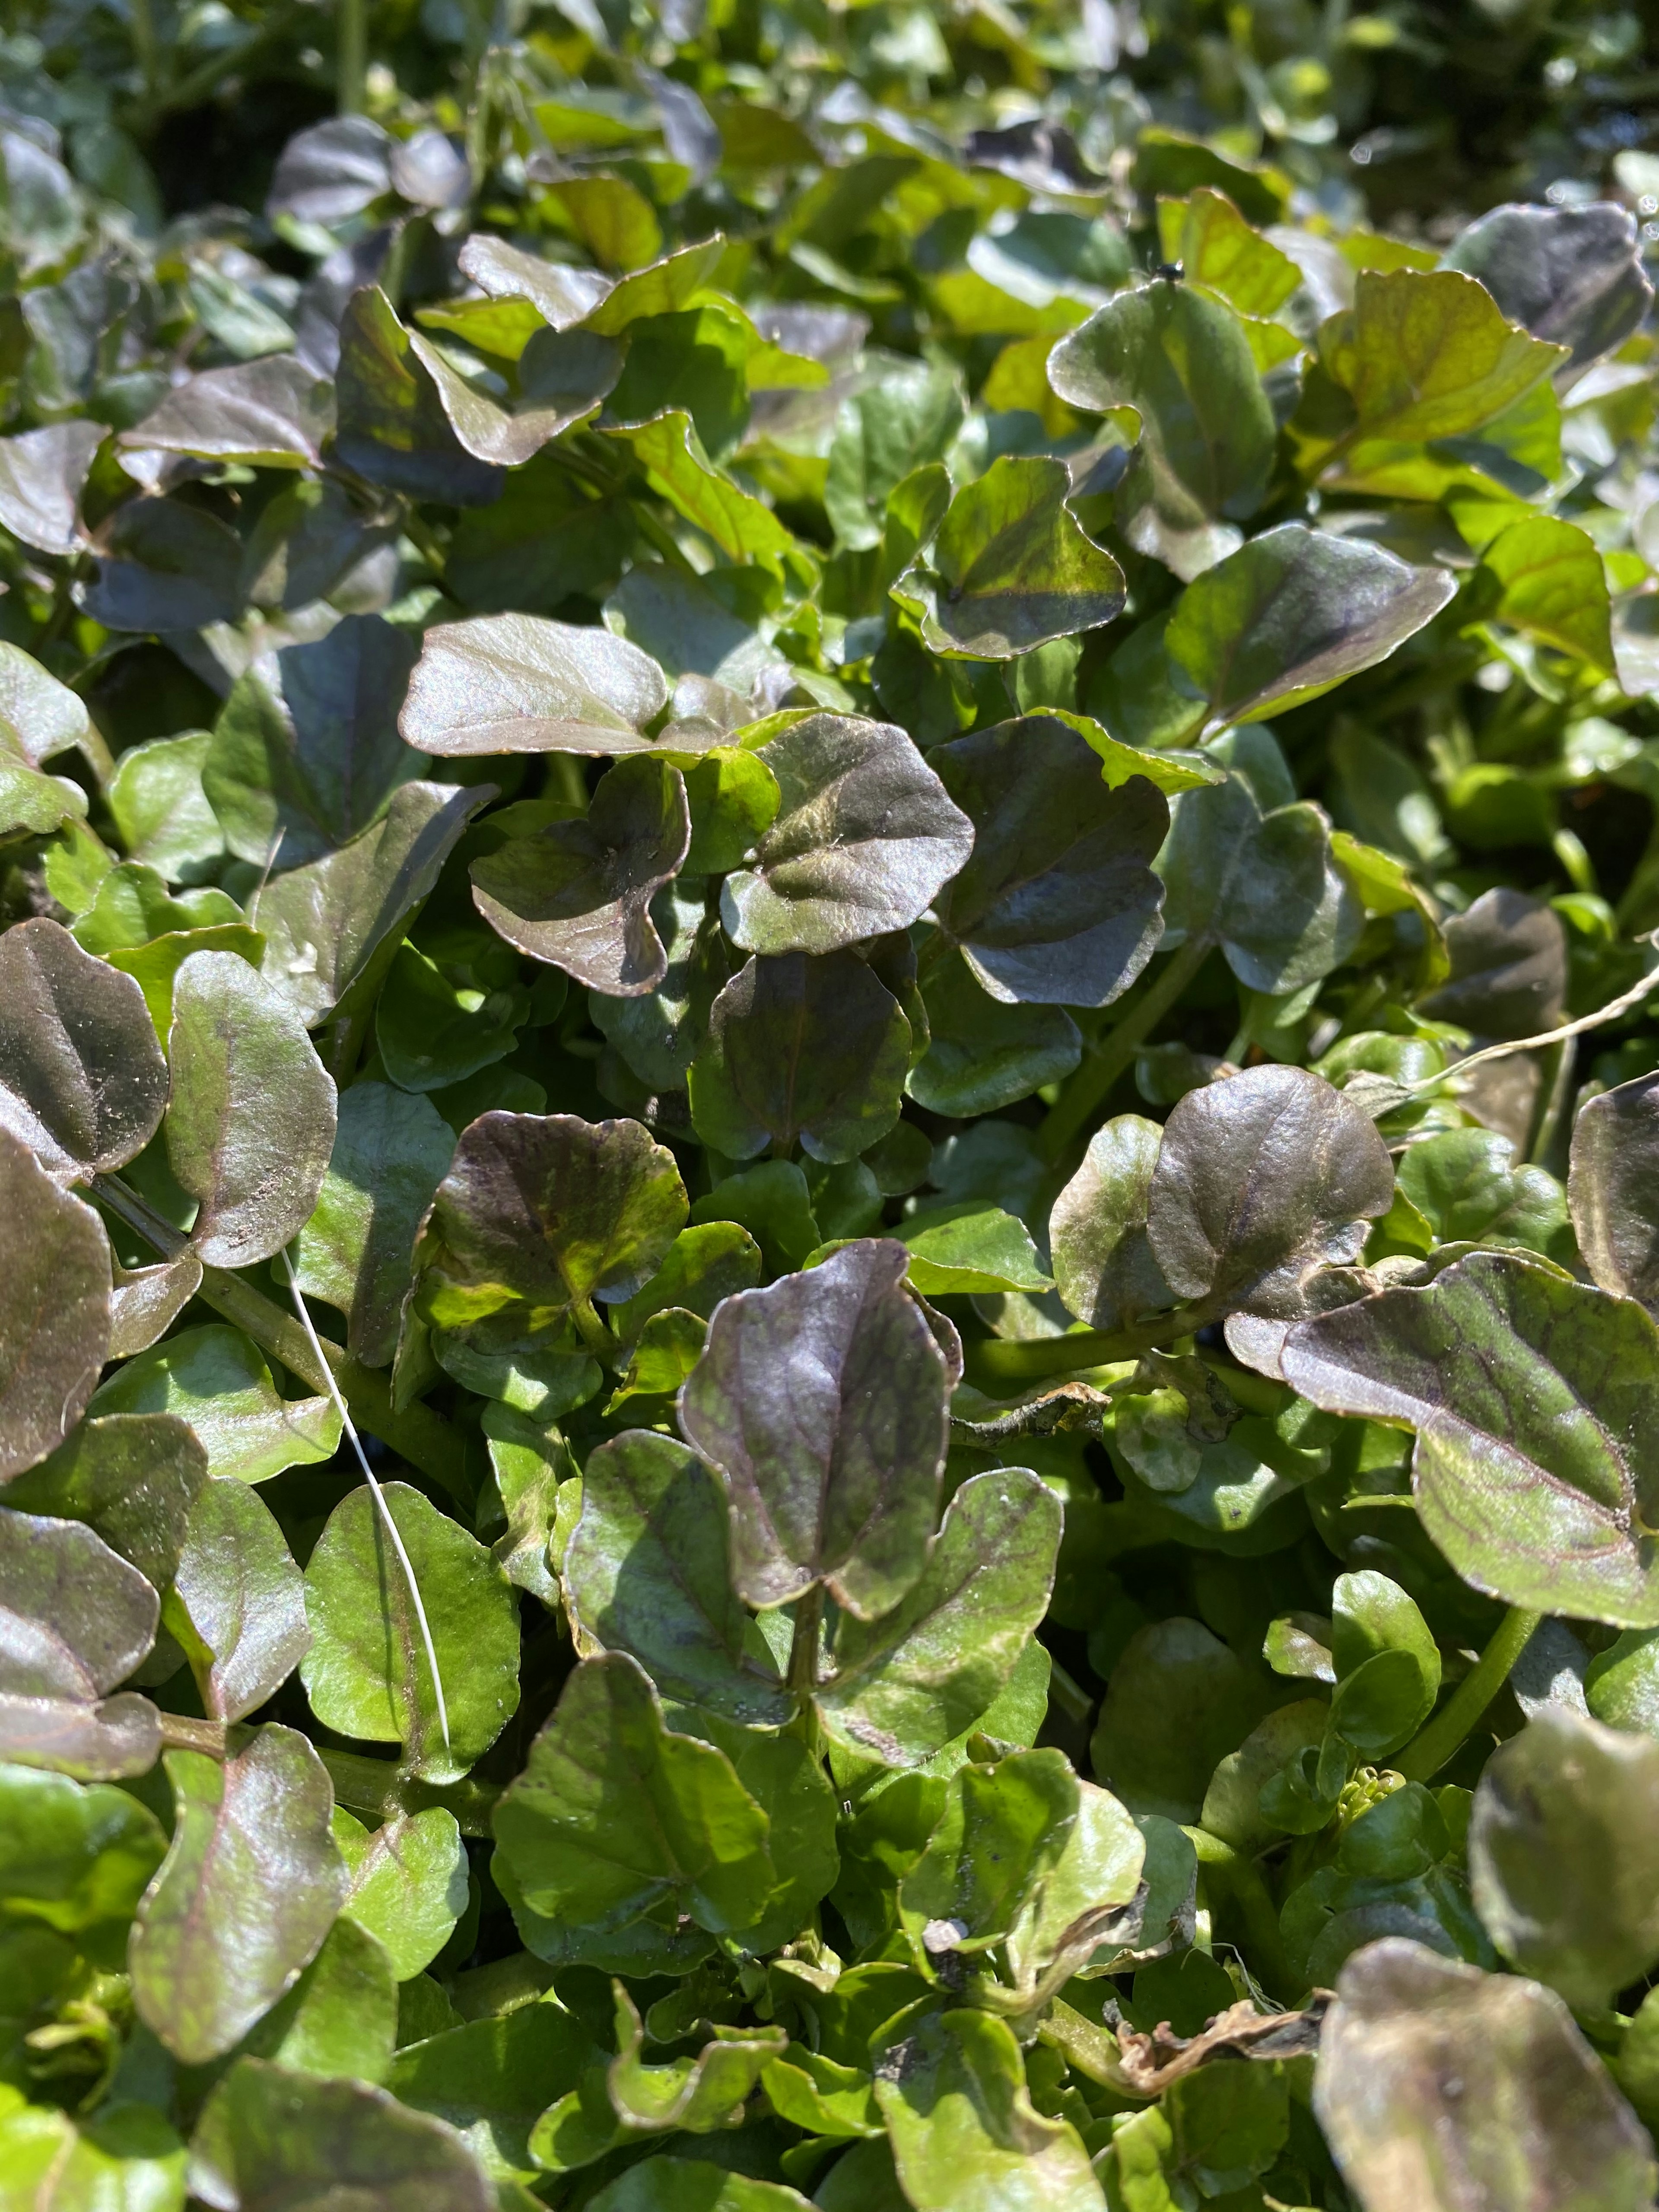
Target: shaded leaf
{"points": [[366, 1672], [521, 683], [393, 427], [339, 2018], [74, 1619], [1532, 1401], [1012, 567], [614, 1816], [83, 1081], [306, 745], [249, 1123], [648, 1571], [492, 2078], [132, 1477], [1292, 614], [158, 806], [669, 452], [54, 1309], [683, 2184], [127, 2158], [799, 1049], [42, 475], [982, 1053], [576, 894], [820, 1401], [1508, 967], [1571, 275], [356, 1252], [864, 837], [907, 1685], [1614, 1189], [77, 1856], [1443, 2089], [1057, 902], [249, 1887], [1103, 1264]]}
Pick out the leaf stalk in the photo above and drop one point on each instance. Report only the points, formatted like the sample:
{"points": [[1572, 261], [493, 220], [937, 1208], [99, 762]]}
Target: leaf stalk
{"points": [[1430, 1749]]}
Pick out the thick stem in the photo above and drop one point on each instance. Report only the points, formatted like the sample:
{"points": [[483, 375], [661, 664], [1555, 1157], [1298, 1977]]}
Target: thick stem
{"points": [[377, 1786], [1005, 1360], [1429, 1751], [1089, 1089], [416, 1434], [352, 55], [804, 1644]]}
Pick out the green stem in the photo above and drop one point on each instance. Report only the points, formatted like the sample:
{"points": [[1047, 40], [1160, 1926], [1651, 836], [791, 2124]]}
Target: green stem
{"points": [[593, 1332], [1005, 1360], [1230, 1879], [377, 1786], [1091, 1085], [352, 55], [804, 1643], [416, 1434], [145, 49], [1429, 1751]]}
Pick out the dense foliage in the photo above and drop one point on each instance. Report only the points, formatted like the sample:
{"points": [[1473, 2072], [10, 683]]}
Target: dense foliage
{"points": [[829, 1153]]}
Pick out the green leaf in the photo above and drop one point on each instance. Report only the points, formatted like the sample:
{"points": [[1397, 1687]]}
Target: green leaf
{"points": [[77, 1620], [683, 2184], [1467, 1185], [648, 1571], [158, 806], [1218, 249], [306, 745], [1257, 878], [237, 1604], [800, 1048], [577, 894], [332, 927], [983, 1053], [734, 798], [356, 1252], [1261, 1179], [1057, 902], [1293, 614], [217, 1380], [249, 1122], [366, 1672], [406, 1883], [42, 475], [1571, 275], [54, 1309], [1508, 967], [492, 2078], [339, 2018], [271, 413], [1177, 1702], [1387, 1664], [534, 1477], [1614, 1188], [616, 1817], [703, 1265], [881, 435], [820, 1401], [1532, 1401], [540, 1212], [83, 1081], [699, 2094], [1183, 362], [1440, 2087], [393, 427], [909, 1683], [132, 1478], [1429, 354], [125, 2159], [75, 1856], [563, 377], [1559, 1841], [248, 1890], [969, 1248], [966, 2137], [518, 683], [270, 2140], [1010, 567], [439, 1021], [1103, 1265], [1551, 586], [670, 454], [865, 835]]}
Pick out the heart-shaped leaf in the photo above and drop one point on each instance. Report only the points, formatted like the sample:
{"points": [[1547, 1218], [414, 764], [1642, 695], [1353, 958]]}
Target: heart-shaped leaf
{"points": [[822, 1402], [1057, 902], [237, 1604], [332, 928], [249, 1124], [83, 1081], [1182, 361], [368, 1672], [518, 683], [54, 1309], [799, 1049], [648, 1571], [614, 1816], [1533, 1401], [865, 836], [306, 745], [406, 1882], [1560, 1841], [1294, 613], [576, 894], [1441, 2089], [539, 1213], [907, 1685], [1012, 567], [391, 1149], [74, 1619], [1259, 1180]]}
